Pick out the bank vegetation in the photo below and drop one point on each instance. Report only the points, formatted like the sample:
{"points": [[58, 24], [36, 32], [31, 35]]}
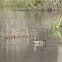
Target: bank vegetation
{"points": [[42, 5]]}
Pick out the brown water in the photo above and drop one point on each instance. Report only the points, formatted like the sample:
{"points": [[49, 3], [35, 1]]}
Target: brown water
{"points": [[22, 49]]}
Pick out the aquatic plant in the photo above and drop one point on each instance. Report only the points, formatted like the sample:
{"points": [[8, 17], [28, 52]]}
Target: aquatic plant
{"points": [[55, 25], [0, 4], [56, 34]]}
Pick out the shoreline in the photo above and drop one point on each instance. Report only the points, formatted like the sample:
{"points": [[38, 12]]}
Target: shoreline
{"points": [[41, 6]]}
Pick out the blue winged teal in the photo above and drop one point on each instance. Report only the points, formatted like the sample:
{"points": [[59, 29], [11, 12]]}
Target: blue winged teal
{"points": [[35, 41]]}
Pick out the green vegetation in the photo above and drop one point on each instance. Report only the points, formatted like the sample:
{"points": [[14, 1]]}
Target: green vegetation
{"points": [[55, 25], [56, 28], [56, 34], [24, 4], [32, 4], [19, 3]]}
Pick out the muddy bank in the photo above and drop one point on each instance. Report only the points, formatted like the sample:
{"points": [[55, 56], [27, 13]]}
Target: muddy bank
{"points": [[46, 6]]}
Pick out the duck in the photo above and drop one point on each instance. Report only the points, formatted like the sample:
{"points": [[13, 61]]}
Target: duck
{"points": [[37, 42]]}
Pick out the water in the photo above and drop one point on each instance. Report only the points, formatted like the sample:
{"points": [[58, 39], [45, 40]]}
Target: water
{"points": [[22, 49]]}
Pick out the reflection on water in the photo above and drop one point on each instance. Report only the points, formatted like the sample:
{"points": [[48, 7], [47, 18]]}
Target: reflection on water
{"points": [[22, 49], [17, 19], [57, 34]]}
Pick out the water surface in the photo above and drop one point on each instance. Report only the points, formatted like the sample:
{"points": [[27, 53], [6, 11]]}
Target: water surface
{"points": [[22, 49]]}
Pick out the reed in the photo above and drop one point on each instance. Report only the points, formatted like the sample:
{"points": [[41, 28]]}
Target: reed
{"points": [[58, 35], [55, 25]]}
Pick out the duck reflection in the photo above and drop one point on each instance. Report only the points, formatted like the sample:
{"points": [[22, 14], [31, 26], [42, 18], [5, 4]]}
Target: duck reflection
{"points": [[38, 43]]}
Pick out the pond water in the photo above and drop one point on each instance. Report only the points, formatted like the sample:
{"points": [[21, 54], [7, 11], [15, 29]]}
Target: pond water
{"points": [[22, 49]]}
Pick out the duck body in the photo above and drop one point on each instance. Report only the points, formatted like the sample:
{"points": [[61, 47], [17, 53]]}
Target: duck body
{"points": [[41, 42]]}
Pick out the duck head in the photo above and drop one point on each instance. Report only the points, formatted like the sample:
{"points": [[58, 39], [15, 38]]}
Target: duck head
{"points": [[35, 38]]}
